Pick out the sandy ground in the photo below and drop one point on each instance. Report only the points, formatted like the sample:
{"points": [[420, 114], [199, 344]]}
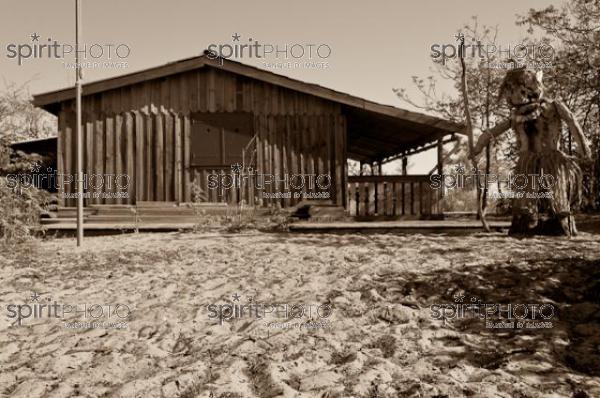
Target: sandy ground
{"points": [[380, 338]]}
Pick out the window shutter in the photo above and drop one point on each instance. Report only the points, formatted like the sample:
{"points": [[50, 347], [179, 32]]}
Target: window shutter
{"points": [[235, 142], [206, 145]]}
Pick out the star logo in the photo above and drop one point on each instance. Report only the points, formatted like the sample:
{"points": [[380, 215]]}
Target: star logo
{"points": [[236, 168], [460, 168], [236, 297], [459, 297], [459, 37], [35, 37], [35, 167], [236, 37], [35, 297]]}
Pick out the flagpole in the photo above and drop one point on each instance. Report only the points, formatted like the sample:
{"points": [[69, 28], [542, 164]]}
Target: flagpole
{"points": [[78, 78]]}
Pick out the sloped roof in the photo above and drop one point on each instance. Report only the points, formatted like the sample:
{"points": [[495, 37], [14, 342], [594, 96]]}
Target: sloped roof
{"points": [[375, 131]]}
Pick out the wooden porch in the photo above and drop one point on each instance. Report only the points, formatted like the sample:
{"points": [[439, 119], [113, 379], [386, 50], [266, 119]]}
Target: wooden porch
{"points": [[171, 135], [393, 197]]}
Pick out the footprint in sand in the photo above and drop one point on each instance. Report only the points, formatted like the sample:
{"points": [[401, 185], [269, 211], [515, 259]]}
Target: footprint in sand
{"points": [[147, 332]]}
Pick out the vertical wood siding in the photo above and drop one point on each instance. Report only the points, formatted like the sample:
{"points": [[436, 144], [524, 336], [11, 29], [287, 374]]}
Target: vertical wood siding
{"points": [[144, 131]]}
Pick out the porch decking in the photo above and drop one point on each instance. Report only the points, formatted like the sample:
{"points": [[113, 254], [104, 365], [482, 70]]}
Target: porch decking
{"points": [[397, 202], [404, 226], [172, 217]]}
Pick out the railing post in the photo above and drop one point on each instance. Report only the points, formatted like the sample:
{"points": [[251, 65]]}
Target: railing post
{"points": [[357, 195], [385, 192], [403, 197], [440, 161], [394, 198], [412, 198]]}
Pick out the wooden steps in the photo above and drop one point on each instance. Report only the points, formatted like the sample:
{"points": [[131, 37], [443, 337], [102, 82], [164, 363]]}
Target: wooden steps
{"points": [[161, 205], [66, 212], [122, 226], [58, 220], [145, 215]]}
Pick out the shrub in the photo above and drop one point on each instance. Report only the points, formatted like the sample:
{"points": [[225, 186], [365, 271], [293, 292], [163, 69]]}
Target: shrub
{"points": [[20, 207], [20, 211]]}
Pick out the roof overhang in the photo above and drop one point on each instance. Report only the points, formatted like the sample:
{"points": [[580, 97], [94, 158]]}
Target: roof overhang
{"points": [[374, 137], [44, 146], [375, 131]]}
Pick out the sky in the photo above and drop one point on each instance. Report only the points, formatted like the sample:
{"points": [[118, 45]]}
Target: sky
{"points": [[376, 46]]}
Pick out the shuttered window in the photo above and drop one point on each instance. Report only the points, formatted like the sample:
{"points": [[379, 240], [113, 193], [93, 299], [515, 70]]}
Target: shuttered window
{"points": [[206, 145], [216, 146]]}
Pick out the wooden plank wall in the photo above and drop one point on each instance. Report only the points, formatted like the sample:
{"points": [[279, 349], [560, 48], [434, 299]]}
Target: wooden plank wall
{"points": [[289, 145], [130, 145], [144, 130]]}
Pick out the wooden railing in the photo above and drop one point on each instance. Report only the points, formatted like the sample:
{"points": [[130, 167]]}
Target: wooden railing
{"points": [[393, 196]]}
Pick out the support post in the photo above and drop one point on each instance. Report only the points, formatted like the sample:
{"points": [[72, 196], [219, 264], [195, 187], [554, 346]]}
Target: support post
{"points": [[78, 77], [440, 157]]}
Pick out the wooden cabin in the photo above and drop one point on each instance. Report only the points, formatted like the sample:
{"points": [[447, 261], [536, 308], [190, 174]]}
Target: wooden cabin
{"points": [[163, 132]]}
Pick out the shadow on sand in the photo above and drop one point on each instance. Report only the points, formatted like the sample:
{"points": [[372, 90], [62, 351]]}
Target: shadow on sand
{"points": [[572, 285]]}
